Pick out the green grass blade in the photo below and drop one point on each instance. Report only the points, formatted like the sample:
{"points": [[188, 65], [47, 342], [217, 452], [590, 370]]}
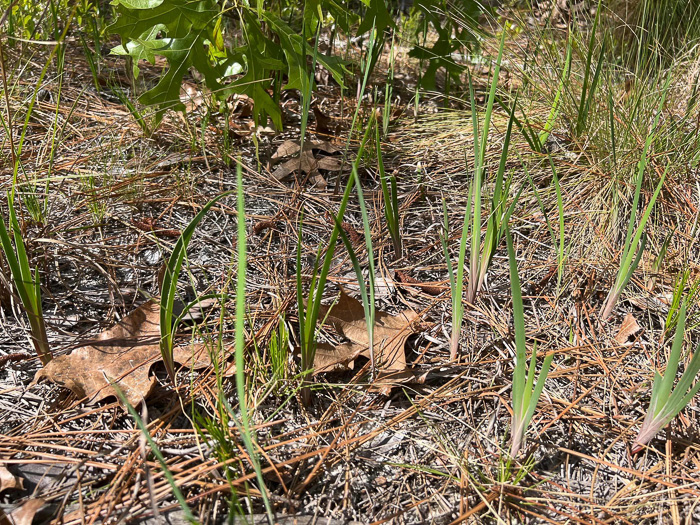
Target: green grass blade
{"points": [[246, 430], [534, 399], [169, 286], [519, 327]]}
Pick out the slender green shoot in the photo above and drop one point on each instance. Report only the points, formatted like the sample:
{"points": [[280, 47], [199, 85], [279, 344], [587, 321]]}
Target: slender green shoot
{"points": [[561, 248], [659, 260], [309, 311], [480, 145], [525, 398], [554, 110], [388, 89], [588, 90], [28, 287], [366, 293], [391, 202], [169, 287], [480, 258], [244, 426], [682, 286], [307, 92], [635, 242], [139, 117], [667, 402], [279, 351], [365, 78]]}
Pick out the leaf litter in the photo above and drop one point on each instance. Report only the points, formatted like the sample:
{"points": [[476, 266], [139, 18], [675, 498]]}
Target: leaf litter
{"points": [[310, 161], [123, 355], [391, 332], [9, 481]]}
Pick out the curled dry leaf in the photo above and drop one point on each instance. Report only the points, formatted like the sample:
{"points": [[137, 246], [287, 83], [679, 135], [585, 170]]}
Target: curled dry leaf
{"points": [[627, 329], [429, 288], [347, 317], [261, 226], [9, 480], [24, 515], [122, 354], [307, 161], [291, 147], [326, 124]]}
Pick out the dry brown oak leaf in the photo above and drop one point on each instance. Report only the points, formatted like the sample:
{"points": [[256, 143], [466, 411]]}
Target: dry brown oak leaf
{"points": [[628, 328], [122, 354], [307, 161], [347, 317], [24, 515], [9, 480]]}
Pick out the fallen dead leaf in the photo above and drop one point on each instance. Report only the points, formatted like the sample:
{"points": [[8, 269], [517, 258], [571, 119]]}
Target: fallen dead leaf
{"points": [[9, 480], [325, 124], [347, 317], [291, 147], [24, 515], [242, 106], [122, 354], [627, 329], [307, 161], [339, 358], [388, 380], [429, 288]]}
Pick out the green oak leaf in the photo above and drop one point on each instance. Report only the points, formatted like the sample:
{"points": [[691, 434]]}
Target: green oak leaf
{"points": [[180, 18], [142, 48], [293, 47], [137, 4], [376, 15]]}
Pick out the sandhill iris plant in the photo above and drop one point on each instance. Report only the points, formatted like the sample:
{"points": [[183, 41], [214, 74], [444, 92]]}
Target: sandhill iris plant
{"points": [[169, 287], [309, 310], [28, 287], [635, 241], [667, 402], [480, 255], [391, 201], [524, 396]]}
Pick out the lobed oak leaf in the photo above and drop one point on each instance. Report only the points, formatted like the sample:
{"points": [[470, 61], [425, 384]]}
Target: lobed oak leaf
{"points": [[307, 161], [391, 332], [123, 355]]}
